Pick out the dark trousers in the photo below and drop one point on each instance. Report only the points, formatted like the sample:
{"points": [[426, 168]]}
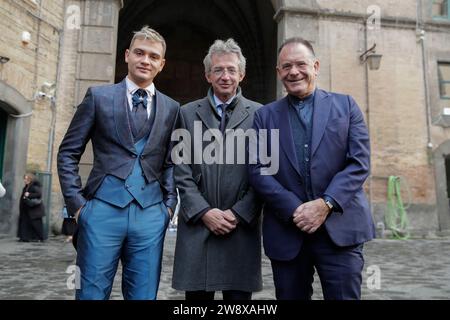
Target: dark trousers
{"points": [[339, 270], [209, 295]]}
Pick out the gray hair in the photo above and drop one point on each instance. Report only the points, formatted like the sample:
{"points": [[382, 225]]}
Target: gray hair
{"points": [[224, 47], [147, 33]]}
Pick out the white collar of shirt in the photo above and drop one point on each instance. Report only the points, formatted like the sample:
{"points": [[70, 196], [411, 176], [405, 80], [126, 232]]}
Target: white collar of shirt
{"points": [[132, 87], [218, 102]]}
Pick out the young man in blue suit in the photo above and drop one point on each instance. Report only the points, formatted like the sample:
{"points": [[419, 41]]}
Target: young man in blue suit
{"points": [[123, 210], [316, 213]]}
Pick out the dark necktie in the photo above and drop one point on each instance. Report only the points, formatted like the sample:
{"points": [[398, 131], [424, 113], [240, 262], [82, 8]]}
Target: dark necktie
{"points": [[223, 119], [139, 108]]}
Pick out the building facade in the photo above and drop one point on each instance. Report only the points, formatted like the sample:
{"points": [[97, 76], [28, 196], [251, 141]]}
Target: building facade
{"points": [[81, 43]]}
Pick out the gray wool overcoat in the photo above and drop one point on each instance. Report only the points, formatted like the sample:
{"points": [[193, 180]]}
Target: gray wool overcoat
{"points": [[203, 260]]}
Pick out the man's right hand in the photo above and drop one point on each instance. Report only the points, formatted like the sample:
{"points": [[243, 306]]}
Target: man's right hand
{"points": [[216, 222]]}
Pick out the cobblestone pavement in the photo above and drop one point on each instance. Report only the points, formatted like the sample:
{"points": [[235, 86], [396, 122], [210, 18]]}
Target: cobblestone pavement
{"points": [[412, 269]]}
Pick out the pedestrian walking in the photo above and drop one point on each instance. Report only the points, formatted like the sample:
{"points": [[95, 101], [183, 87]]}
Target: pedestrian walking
{"points": [[31, 210]]}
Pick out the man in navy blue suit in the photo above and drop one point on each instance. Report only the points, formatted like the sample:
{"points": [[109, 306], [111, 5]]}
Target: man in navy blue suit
{"points": [[316, 213], [124, 209]]}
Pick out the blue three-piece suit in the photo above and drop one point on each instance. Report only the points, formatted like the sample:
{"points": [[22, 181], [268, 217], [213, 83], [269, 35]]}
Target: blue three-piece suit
{"points": [[124, 203]]}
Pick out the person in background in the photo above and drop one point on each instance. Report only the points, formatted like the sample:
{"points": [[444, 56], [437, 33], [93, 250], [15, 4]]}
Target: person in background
{"points": [[31, 211]]}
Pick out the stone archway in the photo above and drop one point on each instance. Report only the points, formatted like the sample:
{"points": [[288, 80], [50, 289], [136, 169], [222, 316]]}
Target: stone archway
{"points": [[190, 27], [18, 110]]}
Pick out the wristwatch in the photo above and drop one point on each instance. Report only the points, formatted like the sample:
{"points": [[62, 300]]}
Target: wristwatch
{"points": [[329, 204]]}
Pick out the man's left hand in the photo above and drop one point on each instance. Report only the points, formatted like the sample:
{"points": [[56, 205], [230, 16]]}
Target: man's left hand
{"points": [[311, 215]]}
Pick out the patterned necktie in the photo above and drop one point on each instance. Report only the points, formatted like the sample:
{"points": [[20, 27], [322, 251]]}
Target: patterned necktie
{"points": [[222, 111], [139, 108]]}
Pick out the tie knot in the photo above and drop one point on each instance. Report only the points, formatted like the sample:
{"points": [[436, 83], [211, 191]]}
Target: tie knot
{"points": [[140, 97], [141, 93], [221, 108]]}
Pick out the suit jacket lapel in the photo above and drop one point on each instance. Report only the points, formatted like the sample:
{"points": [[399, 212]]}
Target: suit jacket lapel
{"points": [[321, 112], [121, 120], [286, 139], [158, 122]]}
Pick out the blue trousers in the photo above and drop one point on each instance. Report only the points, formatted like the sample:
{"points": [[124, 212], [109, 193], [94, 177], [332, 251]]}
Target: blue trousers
{"points": [[133, 235], [339, 270]]}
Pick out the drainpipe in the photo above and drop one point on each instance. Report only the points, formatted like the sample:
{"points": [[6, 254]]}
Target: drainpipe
{"points": [[37, 51], [421, 34], [51, 135]]}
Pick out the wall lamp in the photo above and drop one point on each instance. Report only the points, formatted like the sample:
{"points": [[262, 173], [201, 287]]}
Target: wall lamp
{"points": [[3, 59], [372, 58]]}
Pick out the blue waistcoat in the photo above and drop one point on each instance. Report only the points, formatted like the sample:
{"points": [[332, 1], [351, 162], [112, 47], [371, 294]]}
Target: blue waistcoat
{"points": [[120, 192]]}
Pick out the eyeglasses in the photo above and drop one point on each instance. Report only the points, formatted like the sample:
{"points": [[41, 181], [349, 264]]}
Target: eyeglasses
{"points": [[219, 72]]}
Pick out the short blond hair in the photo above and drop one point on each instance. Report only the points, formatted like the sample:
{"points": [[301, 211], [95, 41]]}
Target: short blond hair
{"points": [[148, 33]]}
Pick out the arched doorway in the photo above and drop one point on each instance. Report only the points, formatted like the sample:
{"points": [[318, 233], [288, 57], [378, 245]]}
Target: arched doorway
{"points": [[190, 27], [442, 173], [15, 111]]}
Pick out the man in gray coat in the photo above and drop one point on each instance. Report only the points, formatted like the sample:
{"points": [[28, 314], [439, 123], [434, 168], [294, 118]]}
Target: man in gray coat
{"points": [[218, 245]]}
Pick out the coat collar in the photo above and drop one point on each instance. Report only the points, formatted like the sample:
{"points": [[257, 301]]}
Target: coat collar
{"points": [[206, 111]]}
